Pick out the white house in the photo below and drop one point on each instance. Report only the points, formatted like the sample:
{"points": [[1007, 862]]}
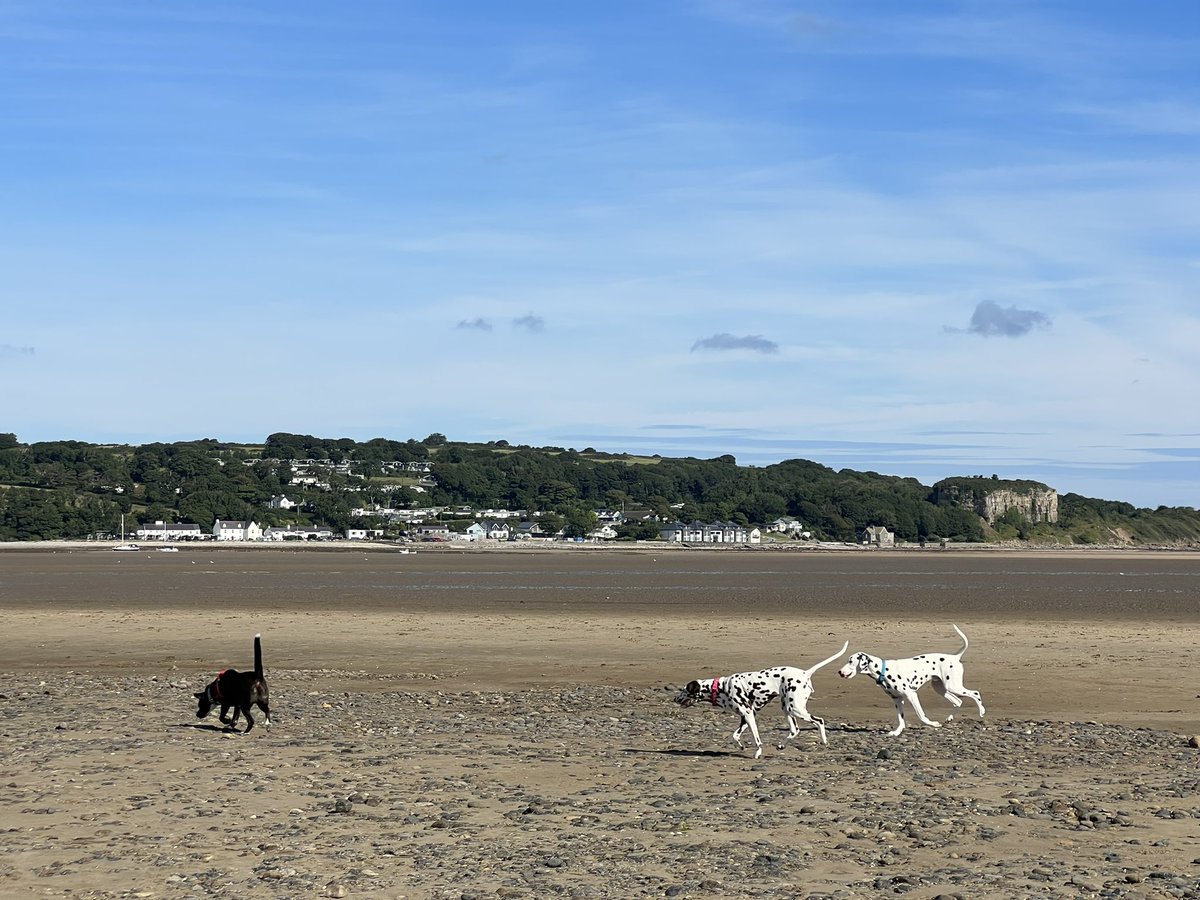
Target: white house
{"points": [[527, 531], [437, 531], [496, 531], [232, 530], [878, 536], [299, 533], [604, 533], [169, 531], [279, 501]]}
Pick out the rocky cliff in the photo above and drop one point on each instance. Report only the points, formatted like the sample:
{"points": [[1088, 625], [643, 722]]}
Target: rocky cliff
{"points": [[992, 498]]}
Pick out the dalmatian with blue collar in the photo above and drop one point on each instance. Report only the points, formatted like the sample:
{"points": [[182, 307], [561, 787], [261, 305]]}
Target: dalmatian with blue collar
{"points": [[746, 693], [902, 678]]}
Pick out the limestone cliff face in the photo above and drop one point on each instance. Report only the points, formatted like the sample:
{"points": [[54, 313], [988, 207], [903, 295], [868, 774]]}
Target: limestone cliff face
{"points": [[990, 500], [1035, 505]]}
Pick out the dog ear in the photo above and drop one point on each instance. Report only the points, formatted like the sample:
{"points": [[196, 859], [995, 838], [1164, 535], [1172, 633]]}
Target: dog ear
{"points": [[693, 687], [199, 695]]}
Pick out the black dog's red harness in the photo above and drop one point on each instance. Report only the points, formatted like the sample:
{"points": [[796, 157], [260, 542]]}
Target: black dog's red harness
{"points": [[216, 686]]}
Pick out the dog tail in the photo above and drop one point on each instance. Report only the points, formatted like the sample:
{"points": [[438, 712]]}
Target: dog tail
{"points": [[834, 658], [966, 643], [258, 668]]}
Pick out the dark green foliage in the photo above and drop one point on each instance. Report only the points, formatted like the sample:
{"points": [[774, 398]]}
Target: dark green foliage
{"points": [[70, 489], [1096, 521]]}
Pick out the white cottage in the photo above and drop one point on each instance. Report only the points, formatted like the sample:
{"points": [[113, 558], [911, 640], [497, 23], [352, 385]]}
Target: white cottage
{"points": [[878, 536], [233, 530]]}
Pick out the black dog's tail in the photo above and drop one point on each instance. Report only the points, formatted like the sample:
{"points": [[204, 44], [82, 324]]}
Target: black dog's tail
{"points": [[258, 669]]}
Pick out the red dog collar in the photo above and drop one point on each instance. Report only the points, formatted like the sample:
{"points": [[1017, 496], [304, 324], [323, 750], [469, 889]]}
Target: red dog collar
{"points": [[716, 689]]}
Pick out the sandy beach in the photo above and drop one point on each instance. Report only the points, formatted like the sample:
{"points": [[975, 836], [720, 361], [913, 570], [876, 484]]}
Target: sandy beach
{"points": [[500, 724]]}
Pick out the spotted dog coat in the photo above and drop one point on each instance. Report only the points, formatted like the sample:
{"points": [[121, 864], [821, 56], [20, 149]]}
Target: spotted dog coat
{"points": [[902, 678], [746, 693]]}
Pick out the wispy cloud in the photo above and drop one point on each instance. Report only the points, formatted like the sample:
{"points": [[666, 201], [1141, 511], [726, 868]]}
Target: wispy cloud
{"points": [[477, 324], [724, 341], [9, 351], [530, 323], [990, 319]]}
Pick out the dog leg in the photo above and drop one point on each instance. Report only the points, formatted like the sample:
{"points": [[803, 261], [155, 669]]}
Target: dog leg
{"points": [[804, 714], [940, 687], [899, 715], [737, 732], [978, 698], [793, 730], [820, 723], [957, 688], [916, 705], [750, 720], [249, 718]]}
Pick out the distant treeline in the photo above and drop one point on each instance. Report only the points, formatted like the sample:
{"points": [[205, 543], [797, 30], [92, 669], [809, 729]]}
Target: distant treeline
{"points": [[71, 489]]}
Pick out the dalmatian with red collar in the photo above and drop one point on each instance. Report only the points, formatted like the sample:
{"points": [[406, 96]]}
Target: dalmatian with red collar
{"points": [[746, 693], [902, 678]]}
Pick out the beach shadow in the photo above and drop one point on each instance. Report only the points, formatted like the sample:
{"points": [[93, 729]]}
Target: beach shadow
{"points": [[207, 726], [856, 729], [714, 753]]}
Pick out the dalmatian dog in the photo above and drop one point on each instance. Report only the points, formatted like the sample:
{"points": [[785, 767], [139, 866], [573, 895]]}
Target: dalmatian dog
{"points": [[902, 678], [746, 693]]}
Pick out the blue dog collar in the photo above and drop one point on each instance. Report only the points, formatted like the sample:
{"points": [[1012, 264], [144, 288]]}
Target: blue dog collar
{"points": [[882, 671]]}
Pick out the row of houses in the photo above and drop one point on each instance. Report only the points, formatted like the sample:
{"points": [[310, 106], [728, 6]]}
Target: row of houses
{"points": [[234, 530], [710, 533], [496, 530], [502, 531]]}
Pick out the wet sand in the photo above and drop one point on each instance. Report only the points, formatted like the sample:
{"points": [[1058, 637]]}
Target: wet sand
{"points": [[452, 691]]}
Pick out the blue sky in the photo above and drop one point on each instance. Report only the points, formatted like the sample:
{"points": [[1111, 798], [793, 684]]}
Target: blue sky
{"points": [[934, 239]]}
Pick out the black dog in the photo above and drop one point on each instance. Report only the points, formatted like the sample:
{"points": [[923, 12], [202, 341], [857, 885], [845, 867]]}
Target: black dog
{"points": [[239, 690]]}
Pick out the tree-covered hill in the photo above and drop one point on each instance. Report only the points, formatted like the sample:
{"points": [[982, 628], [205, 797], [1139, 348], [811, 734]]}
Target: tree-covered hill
{"points": [[71, 489]]}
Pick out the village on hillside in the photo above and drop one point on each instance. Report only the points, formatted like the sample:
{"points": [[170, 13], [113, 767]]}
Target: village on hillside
{"points": [[436, 524]]}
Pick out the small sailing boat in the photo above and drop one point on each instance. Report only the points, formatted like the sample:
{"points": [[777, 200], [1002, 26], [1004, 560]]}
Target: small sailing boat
{"points": [[123, 545]]}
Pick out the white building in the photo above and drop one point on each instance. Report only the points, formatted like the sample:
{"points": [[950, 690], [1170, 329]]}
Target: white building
{"points": [[169, 531], [710, 533], [786, 525], [232, 530], [279, 501], [299, 533], [496, 531], [878, 536]]}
